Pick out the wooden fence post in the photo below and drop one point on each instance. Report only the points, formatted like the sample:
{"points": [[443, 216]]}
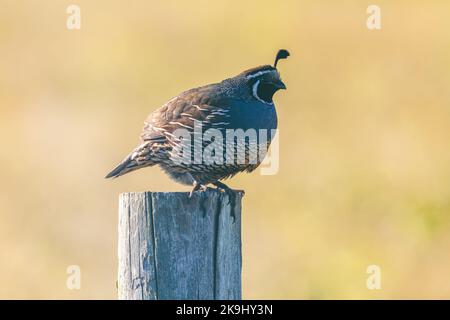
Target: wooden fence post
{"points": [[175, 247]]}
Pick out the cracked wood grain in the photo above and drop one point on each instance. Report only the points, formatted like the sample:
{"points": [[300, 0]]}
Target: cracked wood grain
{"points": [[175, 247]]}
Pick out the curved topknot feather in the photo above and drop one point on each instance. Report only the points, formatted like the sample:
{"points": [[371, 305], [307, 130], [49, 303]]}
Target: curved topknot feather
{"points": [[282, 54]]}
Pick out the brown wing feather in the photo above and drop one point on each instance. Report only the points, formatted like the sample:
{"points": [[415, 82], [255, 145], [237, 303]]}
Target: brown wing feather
{"points": [[180, 112]]}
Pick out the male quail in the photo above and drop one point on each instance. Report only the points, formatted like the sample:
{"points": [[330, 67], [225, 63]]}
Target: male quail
{"points": [[242, 102]]}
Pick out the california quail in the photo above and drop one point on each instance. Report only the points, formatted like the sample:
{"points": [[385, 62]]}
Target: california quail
{"points": [[242, 102]]}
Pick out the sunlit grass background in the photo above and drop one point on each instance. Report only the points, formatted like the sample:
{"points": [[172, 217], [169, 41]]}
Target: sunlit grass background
{"points": [[364, 137]]}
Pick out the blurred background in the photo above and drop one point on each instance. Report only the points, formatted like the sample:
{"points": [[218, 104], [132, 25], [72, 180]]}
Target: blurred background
{"points": [[364, 139]]}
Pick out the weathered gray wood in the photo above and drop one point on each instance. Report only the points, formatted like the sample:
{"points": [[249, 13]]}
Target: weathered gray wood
{"points": [[175, 247]]}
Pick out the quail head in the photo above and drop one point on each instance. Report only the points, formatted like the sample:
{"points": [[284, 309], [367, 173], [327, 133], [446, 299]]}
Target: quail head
{"points": [[244, 102]]}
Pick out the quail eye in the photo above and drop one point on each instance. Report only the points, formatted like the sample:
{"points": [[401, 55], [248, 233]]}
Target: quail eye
{"points": [[264, 91]]}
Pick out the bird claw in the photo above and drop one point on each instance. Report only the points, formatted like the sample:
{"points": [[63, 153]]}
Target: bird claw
{"points": [[197, 187], [231, 197]]}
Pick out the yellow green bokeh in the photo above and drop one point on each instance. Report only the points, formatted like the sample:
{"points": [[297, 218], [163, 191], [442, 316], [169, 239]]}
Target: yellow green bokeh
{"points": [[364, 139]]}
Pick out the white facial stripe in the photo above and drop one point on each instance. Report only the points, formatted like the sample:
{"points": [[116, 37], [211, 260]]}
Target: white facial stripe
{"points": [[255, 93], [251, 76]]}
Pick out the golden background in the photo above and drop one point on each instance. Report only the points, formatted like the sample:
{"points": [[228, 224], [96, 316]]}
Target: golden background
{"points": [[364, 138]]}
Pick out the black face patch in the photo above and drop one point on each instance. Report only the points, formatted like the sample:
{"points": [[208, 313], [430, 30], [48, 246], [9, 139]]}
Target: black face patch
{"points": [[266, 90]]}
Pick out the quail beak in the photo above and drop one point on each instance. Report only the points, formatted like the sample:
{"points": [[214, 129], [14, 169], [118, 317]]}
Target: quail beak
{"points": [[280, 85]]}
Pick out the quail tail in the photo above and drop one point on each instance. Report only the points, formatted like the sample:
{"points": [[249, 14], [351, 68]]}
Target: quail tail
{"points": [[124, 167], [127, 165], [118, 171]]}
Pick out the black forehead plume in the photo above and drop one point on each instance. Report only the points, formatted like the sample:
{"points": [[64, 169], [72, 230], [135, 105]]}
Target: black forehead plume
{"points": [[282, 54]]}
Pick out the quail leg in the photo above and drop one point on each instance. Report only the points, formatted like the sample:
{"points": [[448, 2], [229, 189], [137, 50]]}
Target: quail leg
{"points": [[231, 196], [196, 187]]}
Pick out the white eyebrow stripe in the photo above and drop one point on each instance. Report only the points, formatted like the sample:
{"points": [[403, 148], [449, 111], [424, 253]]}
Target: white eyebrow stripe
{"points": [[254, 75], [180, 124]]}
